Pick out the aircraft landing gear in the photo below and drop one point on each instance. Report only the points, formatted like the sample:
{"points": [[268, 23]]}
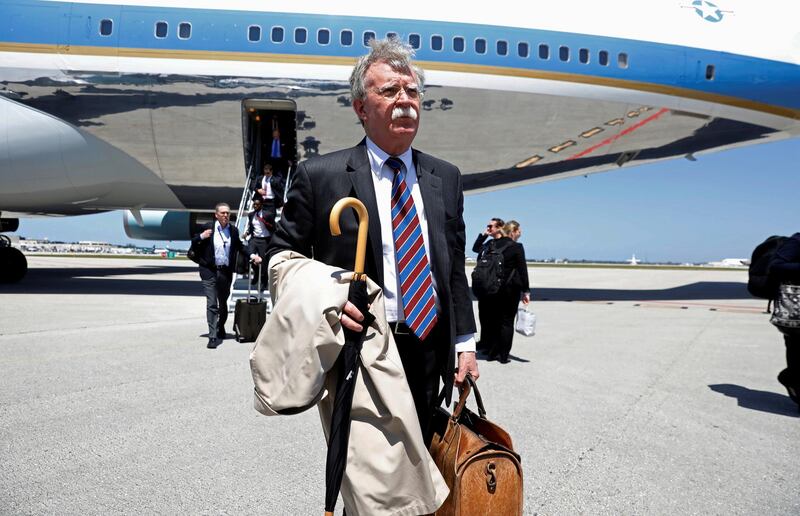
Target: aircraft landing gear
{"points": [[13, 264]]}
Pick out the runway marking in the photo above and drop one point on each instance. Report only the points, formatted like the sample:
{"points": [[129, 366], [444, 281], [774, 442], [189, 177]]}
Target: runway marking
{"points": [[710, 306], [677, 305]]}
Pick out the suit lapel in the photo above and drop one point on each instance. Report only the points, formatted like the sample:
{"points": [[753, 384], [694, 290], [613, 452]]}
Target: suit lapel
{"points": [[360, 173], [430, 187]]}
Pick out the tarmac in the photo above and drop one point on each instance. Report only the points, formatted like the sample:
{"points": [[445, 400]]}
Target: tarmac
{"points": [[644, 391]]}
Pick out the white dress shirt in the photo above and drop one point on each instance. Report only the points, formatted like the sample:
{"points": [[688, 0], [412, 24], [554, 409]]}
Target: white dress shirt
{"points": [[267, 186], [259, 228], [382, 177], [222, 243]]}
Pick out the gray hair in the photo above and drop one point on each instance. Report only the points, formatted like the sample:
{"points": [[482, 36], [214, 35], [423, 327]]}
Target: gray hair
{"points": [[391, 51]]}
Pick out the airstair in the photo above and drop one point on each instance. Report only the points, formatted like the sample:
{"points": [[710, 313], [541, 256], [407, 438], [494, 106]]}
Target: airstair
{"points": [[241, 282], [262, 121]]}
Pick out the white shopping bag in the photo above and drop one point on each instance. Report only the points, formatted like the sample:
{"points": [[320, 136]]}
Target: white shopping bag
{"points": [[526, 322]]}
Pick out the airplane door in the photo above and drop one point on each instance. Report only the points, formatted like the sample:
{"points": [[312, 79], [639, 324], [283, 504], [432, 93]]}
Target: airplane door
{"points": [[94, 30], [269, 133]]}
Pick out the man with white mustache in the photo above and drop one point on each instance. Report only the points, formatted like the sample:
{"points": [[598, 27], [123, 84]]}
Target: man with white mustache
{"points": [[390, 177]]}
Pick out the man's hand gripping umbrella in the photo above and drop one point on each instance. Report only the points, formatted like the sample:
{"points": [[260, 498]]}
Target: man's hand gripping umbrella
{"points": [[349, 357]]}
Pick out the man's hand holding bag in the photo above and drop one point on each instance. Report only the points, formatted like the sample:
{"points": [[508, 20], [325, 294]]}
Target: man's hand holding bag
{"points": [[476, 459]]}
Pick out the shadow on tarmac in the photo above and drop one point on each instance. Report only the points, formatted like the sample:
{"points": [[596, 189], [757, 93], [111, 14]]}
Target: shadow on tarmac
{"points": [[763, 401], [699, 290], [482, 354], [101, 280]]}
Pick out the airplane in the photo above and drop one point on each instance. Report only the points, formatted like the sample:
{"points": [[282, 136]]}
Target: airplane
{"points": [[163, 107], [633, 260]]}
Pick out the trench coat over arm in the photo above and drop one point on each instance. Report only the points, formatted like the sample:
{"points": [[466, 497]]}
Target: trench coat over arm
{"points": [[389, 469]]}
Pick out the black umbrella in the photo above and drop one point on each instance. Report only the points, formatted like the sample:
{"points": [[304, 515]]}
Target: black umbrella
{"points": [[349, 358]]}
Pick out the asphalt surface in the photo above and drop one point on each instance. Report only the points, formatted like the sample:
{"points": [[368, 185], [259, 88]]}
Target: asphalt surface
{"points": [[642, 392]]}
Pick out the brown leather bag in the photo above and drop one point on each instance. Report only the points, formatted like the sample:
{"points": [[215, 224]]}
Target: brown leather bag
{"points": [[477, 460]]}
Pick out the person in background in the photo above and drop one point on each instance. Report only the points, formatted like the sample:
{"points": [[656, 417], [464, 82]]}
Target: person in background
{"points": [[218, 245], [785, 268], [259, 230], [270, 188], [493, 231], [502, 307]]}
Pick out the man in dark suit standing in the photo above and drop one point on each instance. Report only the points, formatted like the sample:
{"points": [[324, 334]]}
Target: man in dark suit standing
{"points": [[217, 247], [270, 188], [416, 229], [259, 230]]}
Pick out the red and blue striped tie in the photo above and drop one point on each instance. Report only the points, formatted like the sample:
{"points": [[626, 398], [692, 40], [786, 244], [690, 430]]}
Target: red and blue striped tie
{"points": [[416, 283]]}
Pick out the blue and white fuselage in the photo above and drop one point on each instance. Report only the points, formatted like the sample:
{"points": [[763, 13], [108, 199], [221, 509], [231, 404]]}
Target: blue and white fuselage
{"points": [[139, 104]]}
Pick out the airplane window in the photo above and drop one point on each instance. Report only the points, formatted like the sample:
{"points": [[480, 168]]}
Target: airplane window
{"points": [[254, 33], [368, 35], [522, 49], [415, 41], [185, 30], [437, 43], [458, 44], [502, 47], [323, 36], [346, 38], [583, 55], [161, 29], [710, 72], [300, 35], [563, 53], [622, 60], [391, 35], [480, 46], [106, 27], [277, 35], [544, 51], [602, 57]]}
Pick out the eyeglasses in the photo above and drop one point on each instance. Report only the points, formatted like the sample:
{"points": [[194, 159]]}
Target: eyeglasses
{"points": [[489, 225], [224, 212], [392, 92]]}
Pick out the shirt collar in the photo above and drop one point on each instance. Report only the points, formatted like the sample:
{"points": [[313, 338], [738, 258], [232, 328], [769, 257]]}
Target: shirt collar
{"points": [[218, 226], [377, 157]]}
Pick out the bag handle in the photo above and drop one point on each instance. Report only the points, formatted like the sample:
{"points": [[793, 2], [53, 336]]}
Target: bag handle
{"points": [[466, 388]]}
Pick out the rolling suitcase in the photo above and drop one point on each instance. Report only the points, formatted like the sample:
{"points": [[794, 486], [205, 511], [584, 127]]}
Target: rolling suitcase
{"points": [[249, 314]]}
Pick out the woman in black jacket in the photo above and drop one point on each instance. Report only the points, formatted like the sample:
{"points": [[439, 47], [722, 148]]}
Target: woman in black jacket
{"points": [[503, 305], [785, 268]]}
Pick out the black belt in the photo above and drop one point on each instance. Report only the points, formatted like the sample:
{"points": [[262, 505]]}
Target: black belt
{"points": [[260, 238], [222, 267]]}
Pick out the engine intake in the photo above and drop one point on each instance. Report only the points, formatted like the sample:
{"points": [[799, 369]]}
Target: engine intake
{"points": [[163, 225]]}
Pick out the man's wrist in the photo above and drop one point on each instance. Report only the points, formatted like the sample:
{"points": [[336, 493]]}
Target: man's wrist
{"points": [[465, 343]]}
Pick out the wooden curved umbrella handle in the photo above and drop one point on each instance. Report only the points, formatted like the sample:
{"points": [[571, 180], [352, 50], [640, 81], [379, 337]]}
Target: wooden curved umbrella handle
{"points": [[363, 225]]}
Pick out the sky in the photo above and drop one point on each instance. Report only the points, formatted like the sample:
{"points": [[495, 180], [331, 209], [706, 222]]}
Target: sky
{"points": [[720, 206]]}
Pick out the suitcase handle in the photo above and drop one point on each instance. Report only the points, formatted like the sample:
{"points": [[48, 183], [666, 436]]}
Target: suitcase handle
{"points": [[465, 389], [259, 280], [249, 284]]}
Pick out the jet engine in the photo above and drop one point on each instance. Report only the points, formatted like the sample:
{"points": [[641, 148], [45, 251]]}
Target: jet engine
{"points": [[163, 225]]}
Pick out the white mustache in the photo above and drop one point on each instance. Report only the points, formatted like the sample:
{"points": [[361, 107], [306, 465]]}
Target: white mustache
{"points": [[404, 112]]}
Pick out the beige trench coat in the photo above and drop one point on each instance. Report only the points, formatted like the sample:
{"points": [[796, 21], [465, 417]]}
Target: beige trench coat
{"points": [[389, 470]]}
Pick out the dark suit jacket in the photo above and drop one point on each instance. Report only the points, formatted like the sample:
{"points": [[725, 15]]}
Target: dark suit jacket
{"points": [[276, 183], [206, 250], [319, 182], [480, 244], [269, 219]]}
